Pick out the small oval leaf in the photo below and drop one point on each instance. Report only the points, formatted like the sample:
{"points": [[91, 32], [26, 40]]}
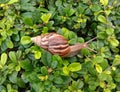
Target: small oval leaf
{"points": [[116, 60], [25, 40], [74, 67], [37, 55], [3, 59], [12, 56], [114, 42], [65, 70], [104, 2], [102, 19], [98, 68], [109, 31], [46, 17]]}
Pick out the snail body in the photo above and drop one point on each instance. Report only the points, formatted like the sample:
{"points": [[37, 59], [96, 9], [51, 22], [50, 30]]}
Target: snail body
{"points": [[57, 44]]}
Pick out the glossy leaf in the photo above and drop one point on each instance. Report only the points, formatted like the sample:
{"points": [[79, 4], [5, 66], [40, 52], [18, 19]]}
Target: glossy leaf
{"points": [[9, 44], [98, 68], [102, 19], [66, 70], [74, 67], [44, 70], [109, 31], [116, 60], [54, 64], [3, 59], [12, 56], [12, 1], [25, 64], [104, 2], [37, 55], [98, 59], [28, 21], [46, 17], [101, 35], [25, 40], [114, 42], [58, 80]]}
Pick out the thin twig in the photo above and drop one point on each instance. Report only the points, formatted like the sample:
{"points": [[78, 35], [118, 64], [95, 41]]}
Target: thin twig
{"points": [[91, 40]]}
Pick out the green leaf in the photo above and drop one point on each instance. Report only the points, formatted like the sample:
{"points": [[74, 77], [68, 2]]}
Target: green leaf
{"points": [[25, 40], [84, 51], [12, 56], [9, 44], [58, 3], [58, 80], [46, 17], [65, 70], [15, 37], [116, 60], [46, 58], [12, 1], [17, 68], [37, 55], [108, 12], [102, 84], [25, 64], [65, 32], [28, 21], [74, 67], [107, 90], [3, 59], [102, 19], [101, 35], [3, 1], [44, 70], [13, 77], [96, 7], [109, 31], [71, 12], [45, 30], [72, 41], [72, 35], [104, 2], [54, 64], [98, 59], [20, 83], [114, 42], [98, 68], [117, 77]]}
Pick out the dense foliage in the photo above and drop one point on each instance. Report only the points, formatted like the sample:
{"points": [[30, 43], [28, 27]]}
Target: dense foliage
{"points": [[24, 67]]}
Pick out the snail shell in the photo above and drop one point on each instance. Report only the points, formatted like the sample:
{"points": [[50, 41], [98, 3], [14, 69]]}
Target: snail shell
{"points": [[53, 42]]}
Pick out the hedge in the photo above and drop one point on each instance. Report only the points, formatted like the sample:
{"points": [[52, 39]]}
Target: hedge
{"points": [[25, 67]]}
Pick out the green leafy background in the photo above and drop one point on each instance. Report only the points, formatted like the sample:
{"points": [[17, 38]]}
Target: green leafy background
{"points": [[24, 67]]}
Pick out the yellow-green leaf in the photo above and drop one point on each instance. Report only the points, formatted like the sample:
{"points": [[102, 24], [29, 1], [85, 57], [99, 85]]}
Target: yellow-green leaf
{"points": [[114, 42], [116, 60], [74, 67], [102, 84], [98, 68], [3, 59], [104, 2], [37, 55], [102, 19], [12, 1], [46, 17], [109, 31], [65, 70], [9, 44], [12, 56], [25, 40]]}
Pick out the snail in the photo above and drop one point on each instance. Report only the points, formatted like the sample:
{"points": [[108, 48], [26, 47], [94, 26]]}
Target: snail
{"points": [[57, 44]]}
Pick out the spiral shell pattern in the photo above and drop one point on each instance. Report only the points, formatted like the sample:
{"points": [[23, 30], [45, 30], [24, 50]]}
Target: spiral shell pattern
{"points": [[53, 42]]}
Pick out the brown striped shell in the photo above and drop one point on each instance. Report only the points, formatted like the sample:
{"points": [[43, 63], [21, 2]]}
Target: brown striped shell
{"points": [[53, 42]]}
